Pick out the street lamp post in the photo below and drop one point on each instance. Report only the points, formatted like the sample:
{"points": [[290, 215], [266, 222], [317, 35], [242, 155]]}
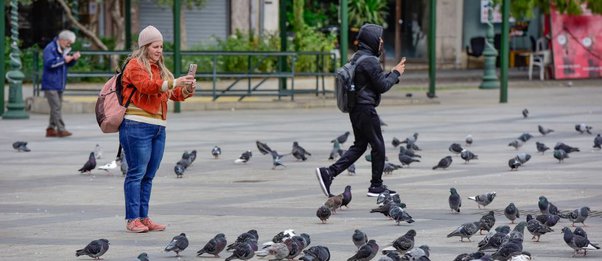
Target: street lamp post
{"points": [[16, 106], [490, 80]]}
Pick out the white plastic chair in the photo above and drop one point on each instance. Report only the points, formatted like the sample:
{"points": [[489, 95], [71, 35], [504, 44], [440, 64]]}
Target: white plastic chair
{"points": [[539, 58]]}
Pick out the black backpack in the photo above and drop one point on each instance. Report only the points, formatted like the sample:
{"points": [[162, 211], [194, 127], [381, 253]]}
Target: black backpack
{"points": [[344, 87]]}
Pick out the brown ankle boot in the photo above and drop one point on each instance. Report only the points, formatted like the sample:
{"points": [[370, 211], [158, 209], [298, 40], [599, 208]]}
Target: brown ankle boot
{"points": [[50, 132], [64, 133]]}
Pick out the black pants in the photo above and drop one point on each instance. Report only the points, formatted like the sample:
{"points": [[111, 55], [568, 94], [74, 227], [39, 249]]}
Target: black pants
{"points": [[366, 129]]}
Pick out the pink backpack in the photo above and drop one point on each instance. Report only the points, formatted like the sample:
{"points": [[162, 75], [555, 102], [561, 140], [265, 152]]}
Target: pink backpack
{"points": [[109, 111]]}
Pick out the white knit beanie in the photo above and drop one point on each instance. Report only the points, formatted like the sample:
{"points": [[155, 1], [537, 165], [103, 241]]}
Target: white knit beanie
{"points": [[148, 35]]}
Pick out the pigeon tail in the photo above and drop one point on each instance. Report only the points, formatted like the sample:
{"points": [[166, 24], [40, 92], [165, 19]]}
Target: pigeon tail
{"points": [[80, 252]]}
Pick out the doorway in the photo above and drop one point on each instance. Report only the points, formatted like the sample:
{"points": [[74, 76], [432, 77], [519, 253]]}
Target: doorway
{"points": [[410, 17]]}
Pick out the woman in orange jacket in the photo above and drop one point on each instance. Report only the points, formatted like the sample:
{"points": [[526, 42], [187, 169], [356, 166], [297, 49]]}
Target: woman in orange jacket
{"points": [[142, 134]]}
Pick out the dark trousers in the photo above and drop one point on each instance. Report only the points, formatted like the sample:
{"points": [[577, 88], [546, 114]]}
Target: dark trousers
{"points": [[366, 129]]}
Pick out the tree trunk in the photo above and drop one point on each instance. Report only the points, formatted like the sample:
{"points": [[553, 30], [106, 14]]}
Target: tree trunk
{"points": [[118, 22], [89, 34]]}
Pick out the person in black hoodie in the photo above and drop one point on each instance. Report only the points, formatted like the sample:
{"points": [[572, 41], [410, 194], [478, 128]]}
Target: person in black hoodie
{"points": [[371, 81]]}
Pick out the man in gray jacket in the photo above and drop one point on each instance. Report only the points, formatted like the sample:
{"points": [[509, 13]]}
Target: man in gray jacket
{"points": [[371, 81]]}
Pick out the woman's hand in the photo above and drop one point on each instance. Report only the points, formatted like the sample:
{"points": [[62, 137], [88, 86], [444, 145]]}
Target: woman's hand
{"points": [[185, 81]]}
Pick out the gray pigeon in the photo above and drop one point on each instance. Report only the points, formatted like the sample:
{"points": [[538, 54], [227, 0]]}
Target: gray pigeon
{"points": [[583, 128], [346, 195], [351, 170], [143, 257], [487, 222], [560, 155], [214, 246], [418, 253], [177, 244], [465, 230], [246, 237], [548, 219], [544, 131], [263, 147], [216, 151], [244, 157], [455, 148], [409, 152], [444, 163], [546, 207], [469, 256], [523, 157], [525, 113], [494, 239], [316, 253], [597, 142], [517, 233], [412, 139], [579, 215], [323, 213], [579, 231], [516, 144], [406, 160], [468, 140], [276, 251], [506, 250], [336, 150], [536, 228], [514, 163], [94, 249], [399, 214], [359, 238], [366, 252], [299, 152], [21, 146], [390, 167], [244, 250], [467, 156], [566, 148], [342, 138], [541, 147], [511, 212], [578, 242], [405, 242], [89, 165], [390, 256], [454, 200], [276, 159], [525, 137], [483, 199], [395, 142], [294, 248]]}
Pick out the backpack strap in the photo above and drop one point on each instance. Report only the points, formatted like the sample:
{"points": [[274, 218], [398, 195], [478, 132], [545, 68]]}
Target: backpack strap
{"points": [[355, 64], [127, 103]]}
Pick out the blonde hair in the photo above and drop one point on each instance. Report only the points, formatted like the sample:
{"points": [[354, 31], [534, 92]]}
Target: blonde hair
{"points": [[141, 54]]}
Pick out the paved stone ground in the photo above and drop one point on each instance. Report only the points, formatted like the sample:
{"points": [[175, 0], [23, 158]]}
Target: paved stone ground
{"points": [[48, 210]]}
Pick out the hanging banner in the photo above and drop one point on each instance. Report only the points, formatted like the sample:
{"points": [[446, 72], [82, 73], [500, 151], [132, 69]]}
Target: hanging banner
{"points": [[576, 45]]}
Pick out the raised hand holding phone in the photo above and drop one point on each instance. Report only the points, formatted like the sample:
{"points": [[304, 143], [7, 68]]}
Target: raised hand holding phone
{"points": [[401, 66]]}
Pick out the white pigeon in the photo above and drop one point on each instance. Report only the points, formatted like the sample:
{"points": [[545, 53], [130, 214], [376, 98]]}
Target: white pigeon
{"points": [[109, 166]]}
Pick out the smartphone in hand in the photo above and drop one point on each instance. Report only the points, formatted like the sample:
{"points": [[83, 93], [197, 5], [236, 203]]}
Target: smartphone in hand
{"points": [[192, 69]]}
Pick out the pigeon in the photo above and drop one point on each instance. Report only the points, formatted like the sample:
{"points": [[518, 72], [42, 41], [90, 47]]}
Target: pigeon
{"points": [[143, 257], [467, 156], [455, 201], [216, 151], [597, 142], [566, 148], [94, 249], [525, 113], [383, 197], [494, 239], [395, 142], [541, 147], [346, 195], [536, 228], [578, 242], [342, 138], [412, 139], [365, 252], [276, 159], [516, 144], [546, 207], [514, 163], [390, 256], [548, 219], [468, 140], [214, 246], [316, 253], [455, 148], [560, 155], [483, 199], [579, 231], [359, 238], [98, 151], [334, 203], [525, 137], [405, 242], [517, 233], [444, 163], [303, 239], [511, 212], [465, 230], [294, 248], [244, 157], [177, 244], [299, 152], [487, 222], [384, 208], [523, 157], [544, 131], [262, 147], [276, 251], [406, 160], [420, 253], [336, 151], [323, 213], [399, 214], [579, 215], [522, 256], [390, 167], [509, 248], [351, 170], [469, 256], [21, 146], [89, 165], [179, 169], [409, 152], [280, 237], [583, 128], [412, 146], [109, 166], [250, 235], [243, 250]]}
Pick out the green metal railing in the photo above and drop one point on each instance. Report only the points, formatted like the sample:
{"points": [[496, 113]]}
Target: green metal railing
{"points": [[210, 63]]}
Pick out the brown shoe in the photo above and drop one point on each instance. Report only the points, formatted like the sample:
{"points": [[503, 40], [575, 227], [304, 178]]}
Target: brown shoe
{"points": [[50, 132], [152, 226], [64, 133]]}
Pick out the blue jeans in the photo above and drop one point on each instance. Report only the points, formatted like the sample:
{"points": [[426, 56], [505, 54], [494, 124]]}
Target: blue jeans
{"points": [[143, 145]]}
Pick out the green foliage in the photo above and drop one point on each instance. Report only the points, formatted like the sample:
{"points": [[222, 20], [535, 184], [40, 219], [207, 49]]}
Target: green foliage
{"points": [[367, 11], [311, 40]]}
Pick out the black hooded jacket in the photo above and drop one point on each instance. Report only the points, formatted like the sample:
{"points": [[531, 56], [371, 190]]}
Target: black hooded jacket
{"points": [[369, 75]]}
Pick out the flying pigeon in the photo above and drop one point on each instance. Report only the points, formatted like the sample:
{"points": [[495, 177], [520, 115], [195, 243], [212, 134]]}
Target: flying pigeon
{"points": [[399, 214], [316, 253], [21, 146], [483, 199], [94, 249], [323, 213], [244, 157], [455, 201], [566, 148], [216, 151], [516, 144], [536, 228], [511, 212], [541, 147], [276, 159], [365, 252], [468, 140], [579, 215], [487, 222], [455, 148], [467, 156], [299, 152], [514, 163], [525, 113], [359, 238], [560, 155], [262, 147], [177, 244], [89, 165], [578, 242], [346, 195], [444, 163], [98, 151], [342, 138], [582, 128], [525, 137], [214, 246], [544, 131]]}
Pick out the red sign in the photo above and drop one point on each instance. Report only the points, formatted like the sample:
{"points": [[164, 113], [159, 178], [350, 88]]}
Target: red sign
{"points": [[576, 45]]}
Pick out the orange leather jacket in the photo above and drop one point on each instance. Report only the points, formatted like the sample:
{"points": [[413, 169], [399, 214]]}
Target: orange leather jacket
{"points": [[149, 95]]}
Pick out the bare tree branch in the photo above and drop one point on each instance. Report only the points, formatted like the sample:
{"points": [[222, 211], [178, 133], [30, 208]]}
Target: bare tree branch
{"points": [[82, 28]]}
